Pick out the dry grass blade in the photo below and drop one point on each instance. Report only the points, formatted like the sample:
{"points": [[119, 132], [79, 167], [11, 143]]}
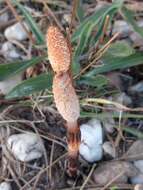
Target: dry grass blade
{"points": [[73, 14], [100, 52], [108, 43], [119, 106], [114, 179], [44, 150], [19, 20], [20, 45], [90, 64], [51, 160], [14, 176], [104, 28]]}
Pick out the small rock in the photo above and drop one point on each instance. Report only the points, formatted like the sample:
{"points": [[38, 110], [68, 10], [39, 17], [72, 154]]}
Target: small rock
{"points": [[109, 149], [91, 141], [125, 28], [139, 177], [138, 187], [16, 32], [139, 165], [5, 186], [66, 18], [100, 4], [7, 85], [9, 51], [113, 79], [121, 98], [106, 172], [137, 88], [135, 152], [125, 41], [107, 124], [3, 18], [25, 147], [140, 24], [136, 38]]}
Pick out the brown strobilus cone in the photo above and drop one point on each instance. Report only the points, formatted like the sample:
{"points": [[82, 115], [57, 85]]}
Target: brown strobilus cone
{"points": [[64, 94]]}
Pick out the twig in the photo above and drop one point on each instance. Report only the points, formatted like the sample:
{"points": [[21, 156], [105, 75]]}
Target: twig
{"points": [[14, 176], [88, 177], [108, 43], [114, 179], [52, 15], [44, 170], [19, 20], [100, 52], [37, 179], [15, 42], [51, 160], [90, 64]]}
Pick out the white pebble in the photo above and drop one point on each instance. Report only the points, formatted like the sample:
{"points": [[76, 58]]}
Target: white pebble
{"points": [[16, 32], [9, 51], [5, 186], [109, 149], [138, 187], [7, 85], [91, 141], [25, 147], [66, 18], [125, 28]]}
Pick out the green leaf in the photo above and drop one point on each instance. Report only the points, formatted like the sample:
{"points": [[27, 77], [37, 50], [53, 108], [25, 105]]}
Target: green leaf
{"points": [[85, 33], [9, 69], [32, 24], [93, 81], [83, 38], [114, 188], [96, 18], [129, 17], [31, 85], [109, 115], [118, 63], [79, 11], [117, 49], [75, 66]]}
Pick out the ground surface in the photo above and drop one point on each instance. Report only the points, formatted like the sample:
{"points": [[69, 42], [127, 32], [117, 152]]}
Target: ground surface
{"points": [[37, 113]]}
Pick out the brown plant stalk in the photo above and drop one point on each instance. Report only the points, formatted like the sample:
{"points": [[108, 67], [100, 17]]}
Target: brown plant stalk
{"points": [[65, 96]]}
